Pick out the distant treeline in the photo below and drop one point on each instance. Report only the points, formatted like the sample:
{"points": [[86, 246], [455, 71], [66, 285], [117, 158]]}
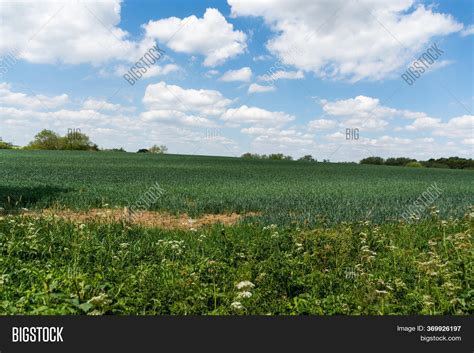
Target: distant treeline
{"points": [[280, 157], [451, 162], [73, 140]]}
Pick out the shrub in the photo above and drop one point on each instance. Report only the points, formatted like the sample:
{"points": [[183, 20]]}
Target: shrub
{"points": [[372, 160], [5, 145], [400, 161], [158, 149], [414, 165], [307, 158], [49, 140]]}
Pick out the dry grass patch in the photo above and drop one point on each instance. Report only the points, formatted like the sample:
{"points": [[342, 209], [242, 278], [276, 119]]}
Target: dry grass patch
{"points": [[144, 218]]}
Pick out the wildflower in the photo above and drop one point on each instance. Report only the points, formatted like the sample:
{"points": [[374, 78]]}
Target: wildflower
{"points": [[245, 294], [101, 299], [244, 285], [381, 291], [271, 226], [237, 305]]}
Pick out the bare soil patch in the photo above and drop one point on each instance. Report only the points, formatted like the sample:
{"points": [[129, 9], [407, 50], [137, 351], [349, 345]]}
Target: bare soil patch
{"points": [[145, 218]]}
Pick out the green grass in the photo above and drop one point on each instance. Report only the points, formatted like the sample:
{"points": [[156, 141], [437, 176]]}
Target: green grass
{"points": [[49, 266], [283, 191]]}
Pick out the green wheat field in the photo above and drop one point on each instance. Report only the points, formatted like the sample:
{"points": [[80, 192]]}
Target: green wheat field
{"points": [[285, 237]]}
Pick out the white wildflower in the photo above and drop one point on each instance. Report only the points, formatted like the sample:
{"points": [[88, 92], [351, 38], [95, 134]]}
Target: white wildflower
{"points": [[244, 285], [245, 294], [237, 305]]}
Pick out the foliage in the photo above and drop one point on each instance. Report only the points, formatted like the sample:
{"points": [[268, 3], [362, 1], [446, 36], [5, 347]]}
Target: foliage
{"points": [[5, 145], [113, 149], [414, 165], [451, 162], [307, 158], [249, 155], [273, 156], [372, 160], [50, 267], [158, 149], [400, 161], [49, 140]]}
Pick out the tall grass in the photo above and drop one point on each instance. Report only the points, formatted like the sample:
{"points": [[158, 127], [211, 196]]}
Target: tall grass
{"points": [[50, 266]]}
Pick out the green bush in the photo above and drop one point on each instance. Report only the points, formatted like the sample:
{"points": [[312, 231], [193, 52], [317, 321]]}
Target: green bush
{"points": [[49, 140], [372, 160], [414, 165], [5, 145]]}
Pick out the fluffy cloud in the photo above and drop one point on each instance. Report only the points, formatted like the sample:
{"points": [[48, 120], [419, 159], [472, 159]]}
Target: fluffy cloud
{"points": [[368, 114], [282, 75], [256, 88], [211, 36], [361, 112], [457, 127], [176, 117], [161, 96], [348, 40], [244, 74], [100, 105], [254, 115], [75, 32], [278, 137], [321, 124], [109, 126], [469, 30], [40, 101], [72, 32], [153, 71]]}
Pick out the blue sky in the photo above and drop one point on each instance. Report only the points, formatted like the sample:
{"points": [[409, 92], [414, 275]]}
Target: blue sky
{"points": [[237, 76]]}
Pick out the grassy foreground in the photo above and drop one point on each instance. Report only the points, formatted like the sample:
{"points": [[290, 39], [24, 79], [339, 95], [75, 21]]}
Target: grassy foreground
{"points": [[50, 266]]}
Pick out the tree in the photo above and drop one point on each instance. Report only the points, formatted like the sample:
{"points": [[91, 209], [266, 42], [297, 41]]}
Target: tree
{"points": [[307, 158], [49, 140], [113, 149], [158, 149], [46, 140], [143, 150], [249, 155], [276, 156], [372, 160], [78, 141], [5, 145], [400, 161], [414, 165]]}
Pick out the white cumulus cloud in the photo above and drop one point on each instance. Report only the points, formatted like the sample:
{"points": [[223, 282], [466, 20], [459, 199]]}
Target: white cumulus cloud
{"points": [[352, 40], [211, 36], [244, 74]]}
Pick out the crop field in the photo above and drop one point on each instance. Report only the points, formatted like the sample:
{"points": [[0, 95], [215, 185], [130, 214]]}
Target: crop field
{"points": [[281, 192], [299, 238]]}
